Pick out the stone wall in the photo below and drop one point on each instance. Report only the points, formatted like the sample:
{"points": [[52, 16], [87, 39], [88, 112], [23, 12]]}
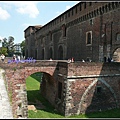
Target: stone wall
{"points": [[72, 88], [92, 87]]}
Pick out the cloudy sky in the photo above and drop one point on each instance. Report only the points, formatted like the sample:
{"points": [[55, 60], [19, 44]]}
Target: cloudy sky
{"points": [[16, 16]]}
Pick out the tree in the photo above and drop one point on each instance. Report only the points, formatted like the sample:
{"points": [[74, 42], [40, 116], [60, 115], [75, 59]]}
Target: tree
{"points": [[4, 42], [22, 45], [3, 50], [9, 44]]}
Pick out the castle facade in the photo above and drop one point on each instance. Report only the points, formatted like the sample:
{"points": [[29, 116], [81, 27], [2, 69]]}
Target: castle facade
{"points": [[88, 30]]}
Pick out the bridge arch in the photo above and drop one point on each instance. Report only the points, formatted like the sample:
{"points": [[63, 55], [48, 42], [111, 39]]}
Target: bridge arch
{"points": [[84, 96], [47, 86]]}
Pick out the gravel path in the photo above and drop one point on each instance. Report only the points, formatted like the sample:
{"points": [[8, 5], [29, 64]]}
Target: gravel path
{"points": [[5, 108]]}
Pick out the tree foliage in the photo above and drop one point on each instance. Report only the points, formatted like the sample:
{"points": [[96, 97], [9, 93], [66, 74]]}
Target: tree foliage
{"points": [[9, 45], [22, 45], [3, 50]]}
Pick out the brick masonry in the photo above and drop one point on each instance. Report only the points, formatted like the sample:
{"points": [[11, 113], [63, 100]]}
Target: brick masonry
{"points": [[85, 87], [66, 36]]}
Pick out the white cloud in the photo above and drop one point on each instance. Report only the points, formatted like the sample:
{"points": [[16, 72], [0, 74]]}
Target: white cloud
{"points": [[1, 38], [24, 7], [4, 14], [29, 8]]}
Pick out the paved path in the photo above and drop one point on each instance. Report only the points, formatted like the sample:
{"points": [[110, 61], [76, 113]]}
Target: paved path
{"points": [[5, 108]]}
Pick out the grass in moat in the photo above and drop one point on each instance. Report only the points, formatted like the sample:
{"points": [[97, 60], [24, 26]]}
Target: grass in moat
{"points": [[47, 111]]}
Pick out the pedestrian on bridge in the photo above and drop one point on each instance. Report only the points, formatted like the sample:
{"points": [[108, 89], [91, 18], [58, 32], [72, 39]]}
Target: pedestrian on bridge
{"points": [[14, 58]]}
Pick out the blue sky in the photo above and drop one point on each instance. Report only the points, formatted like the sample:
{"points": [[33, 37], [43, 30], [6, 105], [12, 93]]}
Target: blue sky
{"points": [[16, 16]]}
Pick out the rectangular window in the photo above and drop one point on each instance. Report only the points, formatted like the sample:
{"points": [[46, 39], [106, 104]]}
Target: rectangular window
{"points": [[65, 16], [69, 14], [72, 11], [89, 38], [80, 7], [64, 30], [76, 10], [59, 90], [98, 89]]}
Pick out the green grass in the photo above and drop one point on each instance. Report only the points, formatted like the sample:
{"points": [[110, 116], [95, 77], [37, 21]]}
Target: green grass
{"points": [[115, 113], [33, 95]]}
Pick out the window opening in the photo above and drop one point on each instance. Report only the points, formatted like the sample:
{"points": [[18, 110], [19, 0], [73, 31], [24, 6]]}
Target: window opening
{"points": [[59, 90], [98, 89], [89, 38]]}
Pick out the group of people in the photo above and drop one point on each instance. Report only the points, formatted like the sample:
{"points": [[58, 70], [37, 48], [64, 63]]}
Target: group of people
{"points": [[16, 57]]}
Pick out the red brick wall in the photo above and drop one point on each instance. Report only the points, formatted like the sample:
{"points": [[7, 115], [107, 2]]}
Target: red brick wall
{"points": [[84, 80], [74, 43], [80, 82]]}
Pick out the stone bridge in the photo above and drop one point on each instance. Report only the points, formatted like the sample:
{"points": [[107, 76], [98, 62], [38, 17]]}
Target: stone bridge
{"points": [[72, 88]]}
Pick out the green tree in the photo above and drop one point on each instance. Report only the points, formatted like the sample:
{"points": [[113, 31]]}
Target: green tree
{"points": [[9, 44], [3, 50], [4, 42], [22, 45]]}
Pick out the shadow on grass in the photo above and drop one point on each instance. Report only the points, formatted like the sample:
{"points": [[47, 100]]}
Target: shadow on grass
{"points": [[41, 103], [36, 99]]}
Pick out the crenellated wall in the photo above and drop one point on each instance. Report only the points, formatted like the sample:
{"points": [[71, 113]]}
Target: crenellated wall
{"points": [[66, 36]]}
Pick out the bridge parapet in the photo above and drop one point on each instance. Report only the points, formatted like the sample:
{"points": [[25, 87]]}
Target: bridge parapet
{"points": [[93, 68], [31, 63]]}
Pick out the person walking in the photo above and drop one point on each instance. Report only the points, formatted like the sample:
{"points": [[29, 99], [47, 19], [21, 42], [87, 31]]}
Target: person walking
{"points": [[2, 57], [14, 58], [18, 58]]}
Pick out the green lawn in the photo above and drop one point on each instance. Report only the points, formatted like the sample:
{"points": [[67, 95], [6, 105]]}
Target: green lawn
{"points": [[34, 98]]}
